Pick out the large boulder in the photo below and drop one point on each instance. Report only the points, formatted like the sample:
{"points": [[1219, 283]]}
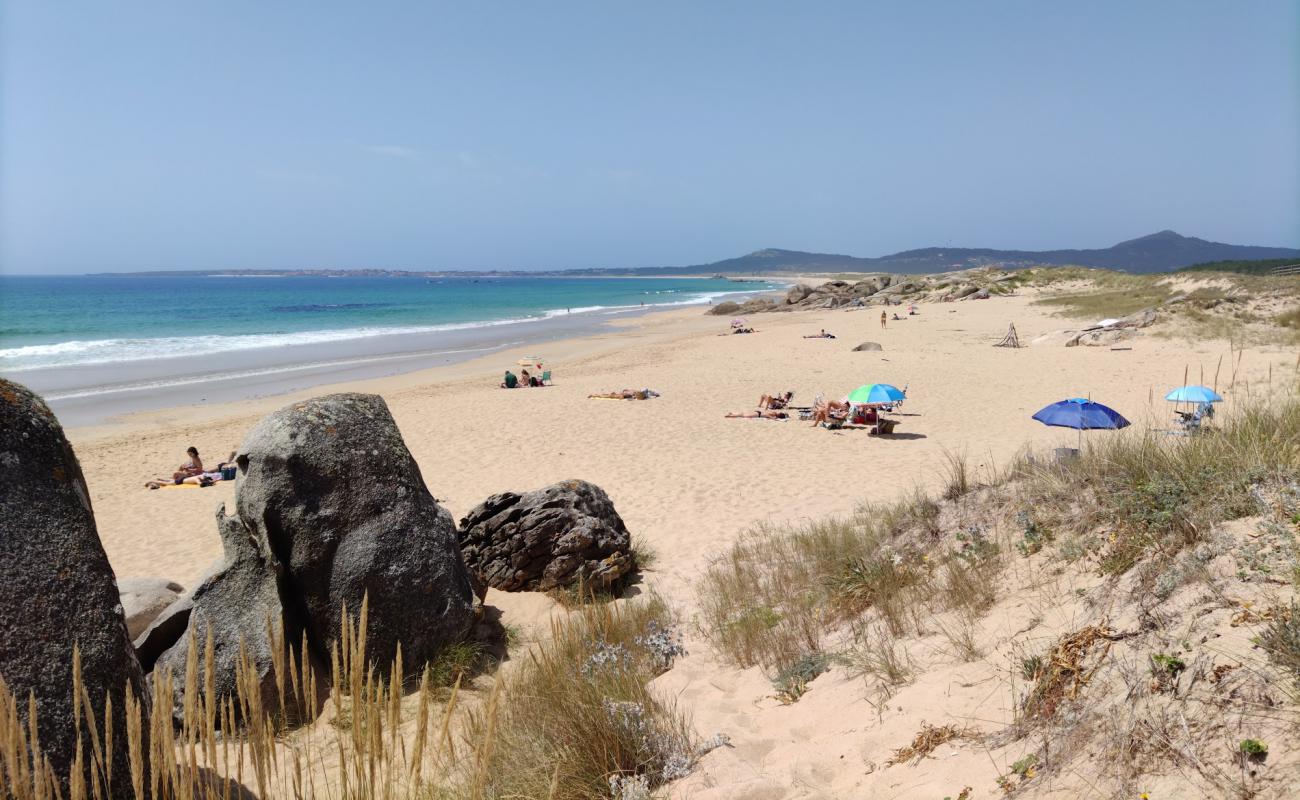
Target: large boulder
{"points": [[868, 346], [797, 292], [725, 309], [143, 599], [57, 591], [552, 537], [240, 608], [330, 486]]}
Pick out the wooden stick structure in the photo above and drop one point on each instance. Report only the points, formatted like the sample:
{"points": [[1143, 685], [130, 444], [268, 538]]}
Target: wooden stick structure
{"points": [[1011, 339]]}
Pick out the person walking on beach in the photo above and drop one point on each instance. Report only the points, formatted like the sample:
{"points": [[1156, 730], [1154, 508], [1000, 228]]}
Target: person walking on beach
{"points": [[884, 319]]}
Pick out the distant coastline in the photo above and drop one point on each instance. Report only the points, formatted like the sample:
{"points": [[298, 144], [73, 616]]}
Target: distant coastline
{"points": [[1165, 251]]}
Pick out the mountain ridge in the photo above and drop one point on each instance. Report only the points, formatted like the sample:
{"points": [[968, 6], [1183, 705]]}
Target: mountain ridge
{"points": [[1162, 251]]}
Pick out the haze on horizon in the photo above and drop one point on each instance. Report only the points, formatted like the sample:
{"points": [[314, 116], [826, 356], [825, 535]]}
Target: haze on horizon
{"points": [[527, 136]]}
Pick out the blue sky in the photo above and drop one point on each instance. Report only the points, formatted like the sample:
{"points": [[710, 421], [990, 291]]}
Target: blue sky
{"points": [[172, 135]]}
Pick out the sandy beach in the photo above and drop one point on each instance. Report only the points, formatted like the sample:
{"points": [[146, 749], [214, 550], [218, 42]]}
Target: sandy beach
{"points": [[687, 481]]}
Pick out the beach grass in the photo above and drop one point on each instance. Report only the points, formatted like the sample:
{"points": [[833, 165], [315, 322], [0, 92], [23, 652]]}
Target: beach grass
{"points": [[576, 719], [853, 585]]}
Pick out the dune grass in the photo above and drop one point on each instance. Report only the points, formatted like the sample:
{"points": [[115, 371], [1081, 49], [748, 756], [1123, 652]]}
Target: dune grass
{"points": [[1156, 494], [884, 572], [575, 720]]}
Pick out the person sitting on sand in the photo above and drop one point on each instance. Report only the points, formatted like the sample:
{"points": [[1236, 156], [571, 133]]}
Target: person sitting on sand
{"points": [[525, 380], [190, 468], [776, 402], [511, 380], [900, 319], [834, 410], [822, 335], [626, 394], [767, 413]]}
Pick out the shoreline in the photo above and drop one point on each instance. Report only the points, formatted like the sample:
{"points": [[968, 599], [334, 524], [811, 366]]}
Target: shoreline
{"points": [[95, 394]]}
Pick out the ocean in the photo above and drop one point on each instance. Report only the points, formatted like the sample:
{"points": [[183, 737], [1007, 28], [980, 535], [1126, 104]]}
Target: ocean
{"points": [[102, 344]]}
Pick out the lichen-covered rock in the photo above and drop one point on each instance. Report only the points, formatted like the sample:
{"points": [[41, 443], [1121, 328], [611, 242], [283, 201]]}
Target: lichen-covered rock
{"points": [[331, 487], [330, 510], [57, 590], [238, 605], [547, 538]]}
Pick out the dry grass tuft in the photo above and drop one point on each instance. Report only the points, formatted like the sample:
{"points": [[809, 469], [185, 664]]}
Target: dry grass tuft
{"points": [[575, 721], [927, 739], [1066, 670]]}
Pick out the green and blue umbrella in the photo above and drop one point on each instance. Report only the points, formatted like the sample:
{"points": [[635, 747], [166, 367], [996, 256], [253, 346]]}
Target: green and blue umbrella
{"points": [[876, 394]]}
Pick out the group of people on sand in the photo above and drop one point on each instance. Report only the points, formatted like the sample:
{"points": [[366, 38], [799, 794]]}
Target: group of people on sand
{"points": [[192, 472], [830, 413], [522, 380]]}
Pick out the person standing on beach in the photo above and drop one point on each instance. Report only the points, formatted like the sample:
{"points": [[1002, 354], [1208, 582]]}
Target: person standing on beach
{"points": [[884, 319]]}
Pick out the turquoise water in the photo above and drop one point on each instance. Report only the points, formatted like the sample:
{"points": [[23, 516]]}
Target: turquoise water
{"points": [[101, 320]]}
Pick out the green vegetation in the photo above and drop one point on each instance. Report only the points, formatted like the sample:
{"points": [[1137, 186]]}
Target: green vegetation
{"points": [[1253, 749], [1260, 267]]}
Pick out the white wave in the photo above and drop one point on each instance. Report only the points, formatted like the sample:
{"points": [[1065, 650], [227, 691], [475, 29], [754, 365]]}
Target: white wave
{"points": [[79, 353], [166, 383], [108, 351]]}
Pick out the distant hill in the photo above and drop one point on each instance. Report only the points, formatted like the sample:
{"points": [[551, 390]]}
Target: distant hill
{"points": [[1159, 252]]}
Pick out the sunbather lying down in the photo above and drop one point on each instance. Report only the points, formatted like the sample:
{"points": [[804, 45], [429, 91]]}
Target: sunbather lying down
{"points": [[777, 401], [200, 478], [822, 335], [737, 330], [767, 413], [627, 394]]}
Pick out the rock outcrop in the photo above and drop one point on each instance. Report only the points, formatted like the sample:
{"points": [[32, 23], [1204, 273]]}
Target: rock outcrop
{"points": [[552, 537], [867, 347], [239, 606], [973, 284], [1100, 335], [330, 485], [143, 599], [330, 509], [57, 590]]}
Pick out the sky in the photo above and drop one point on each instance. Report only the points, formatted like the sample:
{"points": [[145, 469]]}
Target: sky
{"points": [[423, 135]]}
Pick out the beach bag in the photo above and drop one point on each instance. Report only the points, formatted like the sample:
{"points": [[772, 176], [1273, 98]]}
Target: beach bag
{"points": [[228, 472]]}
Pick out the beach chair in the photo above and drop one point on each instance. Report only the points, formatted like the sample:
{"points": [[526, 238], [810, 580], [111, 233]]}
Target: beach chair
{"points": [[894, 406], [546, 378]]}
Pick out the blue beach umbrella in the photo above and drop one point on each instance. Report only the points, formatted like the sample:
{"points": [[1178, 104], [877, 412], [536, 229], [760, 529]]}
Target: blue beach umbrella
{"points": [[1082, 415], [876, 393], [1193, 394]]}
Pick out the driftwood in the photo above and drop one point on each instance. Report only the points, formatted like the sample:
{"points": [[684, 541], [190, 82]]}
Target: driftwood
{"points": [[1011, 339]]}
